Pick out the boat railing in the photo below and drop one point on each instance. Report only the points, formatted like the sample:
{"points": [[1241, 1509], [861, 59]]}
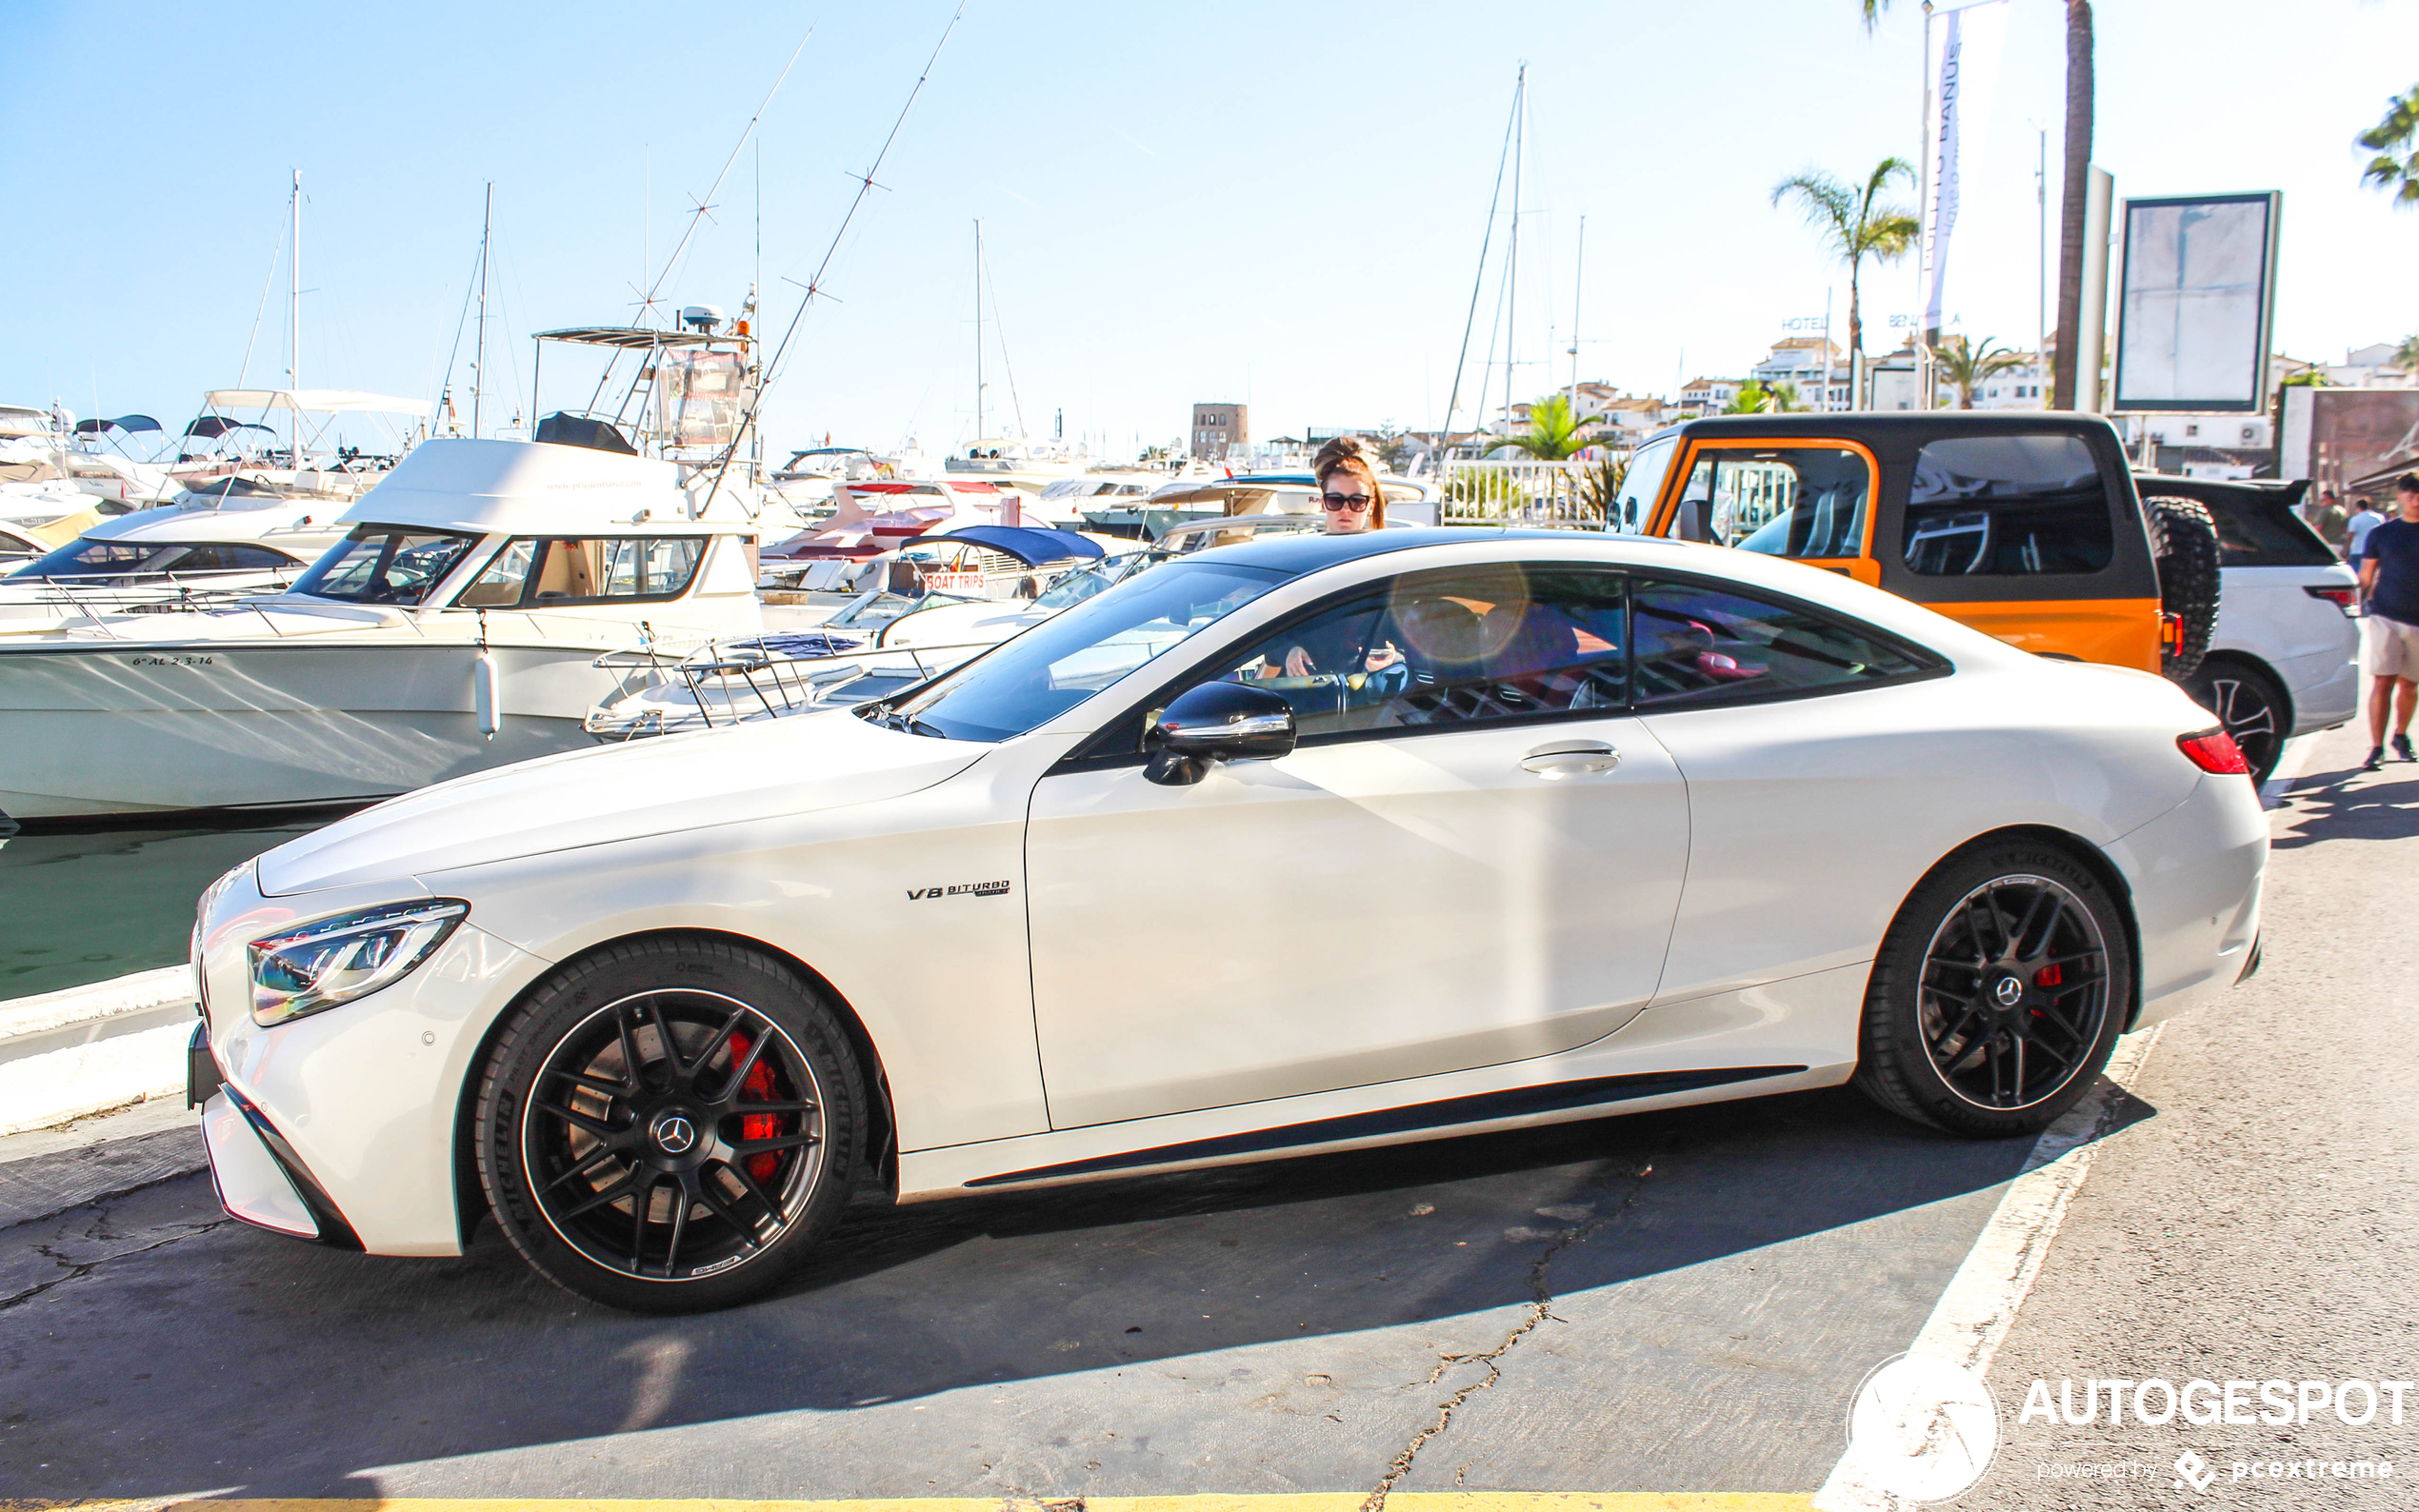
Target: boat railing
{"points": [[748, 679]]}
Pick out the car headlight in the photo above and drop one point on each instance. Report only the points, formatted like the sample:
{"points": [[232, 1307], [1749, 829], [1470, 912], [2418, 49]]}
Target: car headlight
{"points": [[337, 960]]}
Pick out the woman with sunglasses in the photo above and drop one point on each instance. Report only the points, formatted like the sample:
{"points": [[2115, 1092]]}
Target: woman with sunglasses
{"points": [[1354, 502], [1348, 487]]}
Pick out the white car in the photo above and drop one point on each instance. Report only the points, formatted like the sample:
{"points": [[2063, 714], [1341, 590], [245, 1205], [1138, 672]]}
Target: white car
{"points": [[2281, 659], [1309, 843]]}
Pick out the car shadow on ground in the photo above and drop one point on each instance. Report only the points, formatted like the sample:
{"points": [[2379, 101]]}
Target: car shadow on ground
{"points": [[2351, 805], [235, 1359]]}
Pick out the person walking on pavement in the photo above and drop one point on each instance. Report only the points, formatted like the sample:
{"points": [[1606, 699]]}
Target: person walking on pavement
{"points": [[2330, 519], [2389, 633], [2365, 518]]}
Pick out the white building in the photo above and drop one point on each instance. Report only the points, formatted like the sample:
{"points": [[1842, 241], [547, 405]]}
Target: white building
{"points": [[1813, 366]]}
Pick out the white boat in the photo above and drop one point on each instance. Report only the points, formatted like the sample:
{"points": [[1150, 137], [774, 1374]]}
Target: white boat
{"points": [[460, 625], [199, 554]]}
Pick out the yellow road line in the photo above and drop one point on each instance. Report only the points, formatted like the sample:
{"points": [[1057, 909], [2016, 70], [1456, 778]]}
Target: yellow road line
{"points": [[1302, 1501]]}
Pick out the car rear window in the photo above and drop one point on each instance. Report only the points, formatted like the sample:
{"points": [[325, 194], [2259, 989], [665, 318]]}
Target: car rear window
{"points": [[2260, 532], [2007, 506]]}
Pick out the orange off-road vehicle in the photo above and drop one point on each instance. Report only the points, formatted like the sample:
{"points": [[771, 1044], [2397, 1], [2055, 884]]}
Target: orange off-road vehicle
{"points": [[2024, 525]]}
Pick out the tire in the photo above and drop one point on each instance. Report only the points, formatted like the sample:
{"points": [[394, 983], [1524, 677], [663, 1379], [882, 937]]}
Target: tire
{"points": [[1942, 1046], [2184, 541], [2251, 706], [570, 1144]]}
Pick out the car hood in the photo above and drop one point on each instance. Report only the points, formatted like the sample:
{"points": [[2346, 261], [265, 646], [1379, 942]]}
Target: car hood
{"points": [[619, 792]]}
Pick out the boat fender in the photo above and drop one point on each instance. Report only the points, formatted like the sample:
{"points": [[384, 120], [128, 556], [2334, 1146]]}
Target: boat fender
{"points": [[486, 693]]}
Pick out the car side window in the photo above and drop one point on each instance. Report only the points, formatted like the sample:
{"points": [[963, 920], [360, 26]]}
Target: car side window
{"points": [[2007, 506], [1452, 646], [1697, 645]]}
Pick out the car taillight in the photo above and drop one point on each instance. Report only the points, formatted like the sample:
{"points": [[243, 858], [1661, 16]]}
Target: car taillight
{"points": [[2213, 750], [2342, 598], [2172, 631]]}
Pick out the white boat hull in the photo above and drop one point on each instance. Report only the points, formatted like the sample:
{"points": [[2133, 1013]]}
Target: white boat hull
{"points": [[126, 728]]}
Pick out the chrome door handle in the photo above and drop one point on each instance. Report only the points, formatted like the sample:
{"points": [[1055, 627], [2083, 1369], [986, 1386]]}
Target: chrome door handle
{"points": [[1570, 757]]}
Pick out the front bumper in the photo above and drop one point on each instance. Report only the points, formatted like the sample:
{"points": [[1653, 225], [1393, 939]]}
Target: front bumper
{"points": [[343, 1126]]}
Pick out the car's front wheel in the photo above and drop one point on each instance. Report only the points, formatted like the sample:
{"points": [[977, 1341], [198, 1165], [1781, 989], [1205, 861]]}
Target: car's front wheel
{"points": [[1999, 992], [667, 1125]]}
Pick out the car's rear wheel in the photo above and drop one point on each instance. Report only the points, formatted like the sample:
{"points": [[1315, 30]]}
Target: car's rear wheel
{"points": [[1999, 992], [669, 1125], [2251, 707]]}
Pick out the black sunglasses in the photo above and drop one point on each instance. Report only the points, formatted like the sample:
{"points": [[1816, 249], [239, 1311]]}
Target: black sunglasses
{"points": [[1355, 502]]}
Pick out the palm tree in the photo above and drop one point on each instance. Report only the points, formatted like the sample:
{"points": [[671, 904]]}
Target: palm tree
{"points": [[2078, 183], [1554, 433], [2407, 355], [2397, 133], [1964, 364], [1856, 226], [1755, 398]]}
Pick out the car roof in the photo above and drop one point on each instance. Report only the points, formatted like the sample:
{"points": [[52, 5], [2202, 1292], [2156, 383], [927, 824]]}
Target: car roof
{"points": [[1310, 551], [1913, 426]]}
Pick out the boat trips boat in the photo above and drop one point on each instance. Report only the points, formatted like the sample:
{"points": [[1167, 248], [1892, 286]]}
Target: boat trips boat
{"points": [[885, 642], [204, 551], [459, 625]]}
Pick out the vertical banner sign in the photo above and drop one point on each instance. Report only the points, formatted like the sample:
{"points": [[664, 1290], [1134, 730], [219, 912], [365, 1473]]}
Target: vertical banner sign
{"points": [[1960, 115]]}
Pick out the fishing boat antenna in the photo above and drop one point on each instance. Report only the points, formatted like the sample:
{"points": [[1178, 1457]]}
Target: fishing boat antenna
{"points": [[646, 300], [866, 184]]}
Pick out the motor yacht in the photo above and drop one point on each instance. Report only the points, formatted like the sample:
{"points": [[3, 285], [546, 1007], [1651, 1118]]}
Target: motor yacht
{"points": [[207, 550], [458, 626]]}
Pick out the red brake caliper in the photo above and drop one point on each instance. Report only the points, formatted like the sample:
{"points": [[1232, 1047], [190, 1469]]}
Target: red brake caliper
{"points": [[757, 1126]]}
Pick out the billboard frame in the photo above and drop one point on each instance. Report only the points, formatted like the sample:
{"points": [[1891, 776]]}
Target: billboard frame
{"points": [[2117, 402]]}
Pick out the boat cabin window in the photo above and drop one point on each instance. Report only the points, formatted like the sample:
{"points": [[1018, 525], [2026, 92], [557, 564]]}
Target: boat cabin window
{"points": [[102, 564], [545, 573], [381, 565]]}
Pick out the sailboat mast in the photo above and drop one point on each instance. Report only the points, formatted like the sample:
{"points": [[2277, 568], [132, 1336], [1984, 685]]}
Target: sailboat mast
{"points": [[978, 330], [293, 320], [1578, 274], [1511, 253], [479, 359]]}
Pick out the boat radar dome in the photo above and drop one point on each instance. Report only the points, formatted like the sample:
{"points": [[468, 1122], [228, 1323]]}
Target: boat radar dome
{"points": [[701, 317]]}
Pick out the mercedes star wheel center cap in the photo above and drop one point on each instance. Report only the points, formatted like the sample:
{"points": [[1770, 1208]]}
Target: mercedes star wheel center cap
{"points": [[2010, 992], [675, 1134]]}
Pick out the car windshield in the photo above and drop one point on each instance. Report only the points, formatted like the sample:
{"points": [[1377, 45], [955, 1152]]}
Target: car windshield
{"points": [[1064, 660], [386, 564]]}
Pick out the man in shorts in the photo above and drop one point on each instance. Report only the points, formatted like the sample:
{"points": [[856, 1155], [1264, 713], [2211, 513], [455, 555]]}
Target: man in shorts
{"points": [[2390, 632]]}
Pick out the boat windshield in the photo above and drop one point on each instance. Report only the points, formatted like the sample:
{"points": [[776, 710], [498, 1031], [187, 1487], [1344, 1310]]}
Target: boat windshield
{"points": [[1064, 660], [120, 563], [381, 564]]}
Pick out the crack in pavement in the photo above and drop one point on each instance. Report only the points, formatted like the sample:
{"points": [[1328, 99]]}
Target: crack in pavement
{"points": [[78, 1270], [1540, 1309], [113, 1195]]}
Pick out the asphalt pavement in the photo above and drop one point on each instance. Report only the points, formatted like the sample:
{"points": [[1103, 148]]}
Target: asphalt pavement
{"points": [[1663, 1302]]}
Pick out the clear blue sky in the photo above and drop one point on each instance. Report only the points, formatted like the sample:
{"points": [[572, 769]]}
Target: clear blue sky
{"points": [[1280, 204]]}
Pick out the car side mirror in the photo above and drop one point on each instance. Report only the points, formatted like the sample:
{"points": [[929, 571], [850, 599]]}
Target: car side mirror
{"points": [[1217, 722], [1691, 526]]}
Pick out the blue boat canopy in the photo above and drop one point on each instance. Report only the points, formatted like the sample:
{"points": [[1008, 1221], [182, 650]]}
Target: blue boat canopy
{"points": [[1027, 544]]}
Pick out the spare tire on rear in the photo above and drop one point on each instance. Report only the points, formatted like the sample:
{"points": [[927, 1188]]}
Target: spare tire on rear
{"points": [[2183, 540]]}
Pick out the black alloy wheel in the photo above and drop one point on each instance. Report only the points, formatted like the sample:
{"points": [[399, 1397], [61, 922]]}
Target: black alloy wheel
{"points": [[1998, 994], [667, 1125], [2249, 703]]}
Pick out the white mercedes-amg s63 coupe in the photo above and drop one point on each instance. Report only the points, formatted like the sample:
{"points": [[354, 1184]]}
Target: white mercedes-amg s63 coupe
{"points": [[1303, 844]]}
